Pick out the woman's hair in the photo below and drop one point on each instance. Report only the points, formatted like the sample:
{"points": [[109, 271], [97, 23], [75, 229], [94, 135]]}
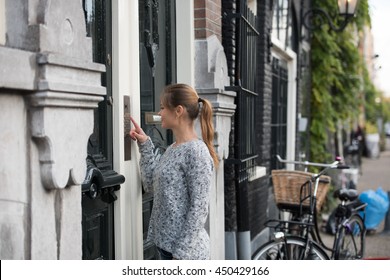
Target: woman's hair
{"points": [[184, 95]]}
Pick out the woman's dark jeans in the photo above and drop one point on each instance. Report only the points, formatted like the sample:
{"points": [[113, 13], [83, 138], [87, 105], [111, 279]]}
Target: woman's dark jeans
{"points": [[164, 255]]}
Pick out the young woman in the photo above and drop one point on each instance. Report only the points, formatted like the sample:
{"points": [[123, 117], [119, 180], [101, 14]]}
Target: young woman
{"points": [[181, 177]]}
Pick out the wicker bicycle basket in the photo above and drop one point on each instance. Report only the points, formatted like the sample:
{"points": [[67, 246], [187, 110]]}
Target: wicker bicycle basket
{"points": [[290, 189]]}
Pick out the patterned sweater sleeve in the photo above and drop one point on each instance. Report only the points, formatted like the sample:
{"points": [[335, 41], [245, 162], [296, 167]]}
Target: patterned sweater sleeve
{"points": [[198, 179], [147, 164]]}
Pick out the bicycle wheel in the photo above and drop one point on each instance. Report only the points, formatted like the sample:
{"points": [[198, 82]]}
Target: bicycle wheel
{"points": [[290, 248], [350, 242]]}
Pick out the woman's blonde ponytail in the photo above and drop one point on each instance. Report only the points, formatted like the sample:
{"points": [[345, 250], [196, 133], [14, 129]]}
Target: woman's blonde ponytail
{"points": [[206, 125]]}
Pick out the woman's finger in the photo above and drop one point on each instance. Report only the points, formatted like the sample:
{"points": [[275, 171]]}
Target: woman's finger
{"points": [[133, 135], [137, 127]]}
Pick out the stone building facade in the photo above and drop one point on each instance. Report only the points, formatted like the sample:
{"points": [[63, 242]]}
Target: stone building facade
{"points": [[69, 80]]}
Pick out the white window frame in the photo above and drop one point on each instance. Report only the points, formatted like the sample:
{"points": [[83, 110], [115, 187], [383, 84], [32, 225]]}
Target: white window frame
{"points": [[185, 42], [290, 57]]}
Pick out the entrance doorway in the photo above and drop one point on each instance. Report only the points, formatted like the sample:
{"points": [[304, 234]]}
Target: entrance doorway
{"points": [[157, 69], [101, 183]]}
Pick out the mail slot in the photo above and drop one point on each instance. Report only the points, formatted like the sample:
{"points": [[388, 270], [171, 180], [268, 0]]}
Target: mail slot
{"points": [[152, 118]]}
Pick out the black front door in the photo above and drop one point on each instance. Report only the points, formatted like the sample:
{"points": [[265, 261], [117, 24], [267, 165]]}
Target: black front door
{"points": [[158, 69], [98, 189]]}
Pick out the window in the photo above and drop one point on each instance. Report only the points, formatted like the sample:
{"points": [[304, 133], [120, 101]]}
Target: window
{"points": [[279, 111], [157, 62], [281, 22], [252, 5]]}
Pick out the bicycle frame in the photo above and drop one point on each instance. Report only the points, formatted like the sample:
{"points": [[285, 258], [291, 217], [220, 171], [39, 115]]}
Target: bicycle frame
{"points": [[345, 213]]}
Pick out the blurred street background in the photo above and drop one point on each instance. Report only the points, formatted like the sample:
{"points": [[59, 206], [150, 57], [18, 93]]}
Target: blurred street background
{"points": [[375, 173]]}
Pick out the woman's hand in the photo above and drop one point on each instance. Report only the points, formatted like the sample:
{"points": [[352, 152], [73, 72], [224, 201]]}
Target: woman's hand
{"points": [[136, 133]]}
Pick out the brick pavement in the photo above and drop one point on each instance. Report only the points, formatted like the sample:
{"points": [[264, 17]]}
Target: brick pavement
{"points": [[376, 173]]}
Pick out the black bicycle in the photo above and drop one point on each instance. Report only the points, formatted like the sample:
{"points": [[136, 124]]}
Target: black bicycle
{"points": [[298, 238]]}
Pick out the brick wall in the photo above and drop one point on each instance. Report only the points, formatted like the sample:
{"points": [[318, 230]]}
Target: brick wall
{"points": [[229, 39], [208, 20]]}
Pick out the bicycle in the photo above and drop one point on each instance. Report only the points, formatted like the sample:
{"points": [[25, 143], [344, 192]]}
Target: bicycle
{"points": [[299, 237]]}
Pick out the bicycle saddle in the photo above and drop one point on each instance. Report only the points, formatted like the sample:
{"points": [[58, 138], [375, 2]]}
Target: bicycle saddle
{"points": [[346, 194]]}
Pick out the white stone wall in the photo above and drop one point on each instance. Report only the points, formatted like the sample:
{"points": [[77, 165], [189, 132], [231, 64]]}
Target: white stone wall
{"points": [[2, 22], [14, 195]]}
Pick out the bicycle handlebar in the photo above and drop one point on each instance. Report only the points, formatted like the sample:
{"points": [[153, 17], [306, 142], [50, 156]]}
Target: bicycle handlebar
{"points": [[334, 165], [342, 166]]}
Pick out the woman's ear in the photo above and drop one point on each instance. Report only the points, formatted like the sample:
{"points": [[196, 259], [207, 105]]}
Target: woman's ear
{"points": [[179, 110]]}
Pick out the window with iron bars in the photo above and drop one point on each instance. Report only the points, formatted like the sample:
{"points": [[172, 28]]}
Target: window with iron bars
{"points": [[240, 43]]}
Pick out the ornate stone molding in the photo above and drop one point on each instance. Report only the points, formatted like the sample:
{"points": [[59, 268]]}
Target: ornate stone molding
{"points": [[67, 86], [59, 125], [211, 69], [51, 88], [210, 81], [62, 84], [60, 73], [61, 115], [54, 26]]}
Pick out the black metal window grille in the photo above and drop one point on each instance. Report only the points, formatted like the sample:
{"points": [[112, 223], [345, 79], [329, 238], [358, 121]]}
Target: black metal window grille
{"points": [[279, 111], [245, 86], [243, 74]]}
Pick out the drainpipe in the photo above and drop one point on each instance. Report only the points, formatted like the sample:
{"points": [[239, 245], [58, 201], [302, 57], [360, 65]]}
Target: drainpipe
{"points": [[243, 232]]}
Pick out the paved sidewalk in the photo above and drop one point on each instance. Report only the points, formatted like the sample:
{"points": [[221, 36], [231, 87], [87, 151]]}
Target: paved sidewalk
{"points": [[376, 173]]}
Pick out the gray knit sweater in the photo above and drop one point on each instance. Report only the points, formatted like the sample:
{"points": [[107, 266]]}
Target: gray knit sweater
{"points": [[181, 180]]}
